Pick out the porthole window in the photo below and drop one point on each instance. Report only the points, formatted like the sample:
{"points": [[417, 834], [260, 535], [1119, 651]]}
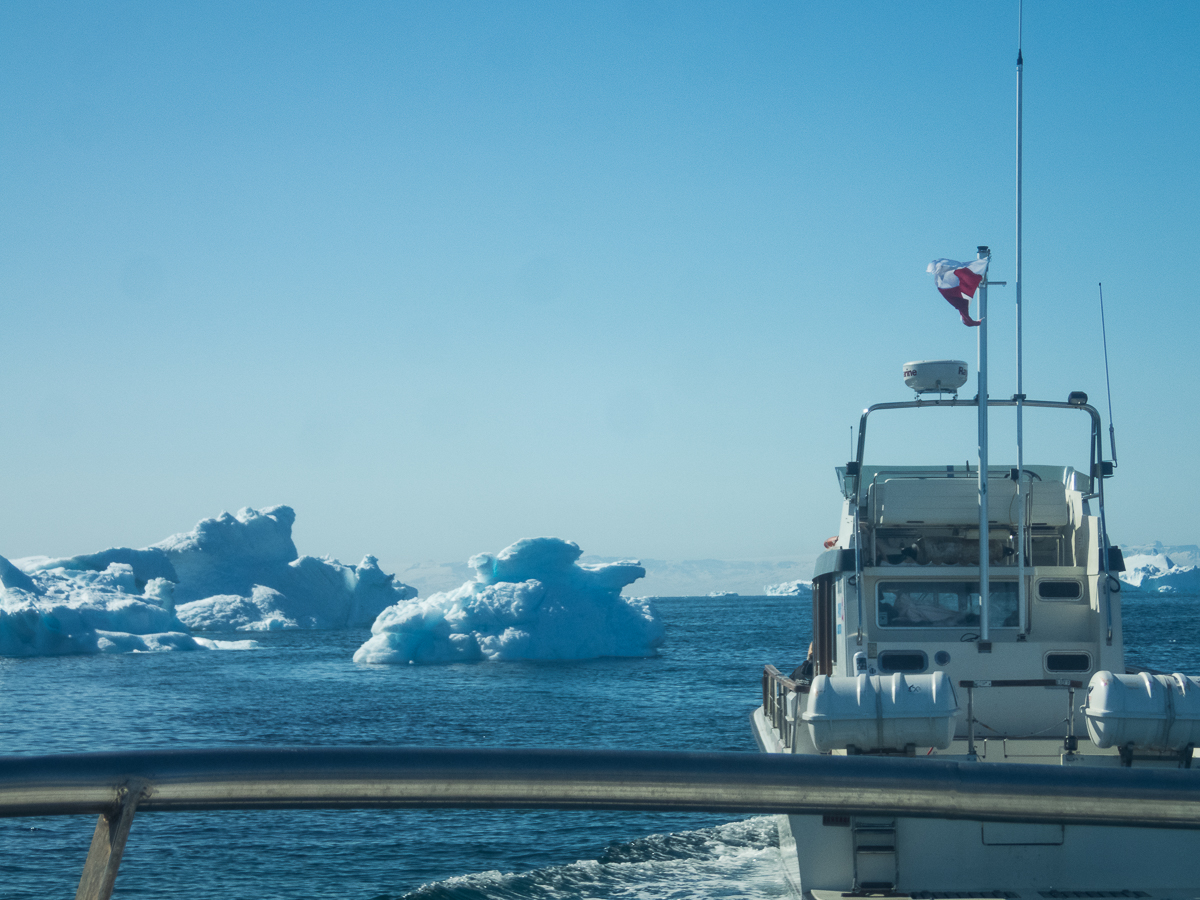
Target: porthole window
{"points": [[1068, 662], [1059, 590], [908, 661]]}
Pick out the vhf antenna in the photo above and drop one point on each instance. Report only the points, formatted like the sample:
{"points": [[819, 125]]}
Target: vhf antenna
{"points": [[1112, 440]]}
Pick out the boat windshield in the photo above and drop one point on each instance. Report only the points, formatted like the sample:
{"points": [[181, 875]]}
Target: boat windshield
{"points": [[944, 604]]}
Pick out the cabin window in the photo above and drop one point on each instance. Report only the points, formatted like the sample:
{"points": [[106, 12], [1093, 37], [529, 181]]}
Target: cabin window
{"points": [[890, 661], [1068, 662], [1059, 590], [944, 604]]}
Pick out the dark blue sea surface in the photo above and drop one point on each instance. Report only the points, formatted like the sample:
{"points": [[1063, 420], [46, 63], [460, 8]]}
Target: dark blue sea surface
{"points": [[1162, 631], [301, 687]]}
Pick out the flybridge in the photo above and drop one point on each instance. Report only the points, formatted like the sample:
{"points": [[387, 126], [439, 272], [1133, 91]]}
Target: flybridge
{"points": [[1015, 496]]}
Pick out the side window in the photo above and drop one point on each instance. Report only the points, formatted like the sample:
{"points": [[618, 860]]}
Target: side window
{"points": [[909, 661], [1066, 661], [1059, 589], [944, 604]]}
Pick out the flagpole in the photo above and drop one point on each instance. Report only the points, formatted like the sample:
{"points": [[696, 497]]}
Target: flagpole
{"points": [[984, 644], [1023, 621]]}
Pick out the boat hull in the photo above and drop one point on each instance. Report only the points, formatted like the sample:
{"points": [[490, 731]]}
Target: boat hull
{"points": [[964, 858]]}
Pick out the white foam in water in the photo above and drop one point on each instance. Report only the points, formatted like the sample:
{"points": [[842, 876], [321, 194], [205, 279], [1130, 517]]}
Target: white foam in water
{"points": [[533, 600], [740, 859], [230, 573]]}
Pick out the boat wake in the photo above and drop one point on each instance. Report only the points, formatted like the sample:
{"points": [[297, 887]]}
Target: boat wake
{"points": [[740, 859]]}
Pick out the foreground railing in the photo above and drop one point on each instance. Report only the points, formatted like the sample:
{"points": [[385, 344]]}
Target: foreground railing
{"points": [[116, 785]]}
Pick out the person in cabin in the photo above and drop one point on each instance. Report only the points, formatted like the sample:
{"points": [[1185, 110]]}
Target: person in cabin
{"points": [[804, 671]]}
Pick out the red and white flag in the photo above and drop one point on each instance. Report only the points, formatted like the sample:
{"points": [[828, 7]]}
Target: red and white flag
{"points": [[957, 283]]}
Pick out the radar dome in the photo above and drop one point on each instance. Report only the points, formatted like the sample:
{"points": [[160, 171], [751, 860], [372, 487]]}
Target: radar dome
{"points": [[941, 376]]}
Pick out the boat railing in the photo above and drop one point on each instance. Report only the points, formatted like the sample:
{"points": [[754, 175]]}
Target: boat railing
{"points": [[1095, 467], [117, 785], [781, 704], [1070, 742]]}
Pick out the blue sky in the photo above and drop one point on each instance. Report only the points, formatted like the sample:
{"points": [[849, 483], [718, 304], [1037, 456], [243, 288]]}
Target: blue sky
{"points": [[446, 275]]}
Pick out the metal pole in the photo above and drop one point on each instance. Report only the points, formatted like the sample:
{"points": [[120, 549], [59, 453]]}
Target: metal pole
{"points": [[523, 778], [1112, 435], [108, 845], [984, 638], [1023, 613], [971, 724]]}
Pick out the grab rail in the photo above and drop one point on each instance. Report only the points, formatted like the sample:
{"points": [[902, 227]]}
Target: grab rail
{"points": [[1070, 744], [115, 785], [775, 690]]}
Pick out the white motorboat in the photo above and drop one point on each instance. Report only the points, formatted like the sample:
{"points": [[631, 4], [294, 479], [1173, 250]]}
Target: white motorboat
{"points": [[911, 659], [973, 614]]}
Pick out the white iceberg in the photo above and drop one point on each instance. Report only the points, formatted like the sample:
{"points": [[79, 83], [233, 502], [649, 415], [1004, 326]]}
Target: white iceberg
{"points": [[243, 573], [56, 612], [533, 600], [1156, 569], [798, 588]]}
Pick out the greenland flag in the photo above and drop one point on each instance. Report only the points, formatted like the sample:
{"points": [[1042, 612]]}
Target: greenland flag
{"points": [[957, 282]]}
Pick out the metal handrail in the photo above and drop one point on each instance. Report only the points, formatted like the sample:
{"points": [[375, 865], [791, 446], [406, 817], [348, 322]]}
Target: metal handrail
{"points": [[776, 689], [1071, 685], [115, 784], [1039, 404], [524, 778]]}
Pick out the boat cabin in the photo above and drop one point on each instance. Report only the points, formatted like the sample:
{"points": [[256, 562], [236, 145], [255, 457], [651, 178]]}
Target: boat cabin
{"points": [[899, 590]]}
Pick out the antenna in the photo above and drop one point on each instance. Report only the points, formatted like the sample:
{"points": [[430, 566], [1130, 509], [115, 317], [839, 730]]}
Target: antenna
{"points": [[1019, 396], [984, 644], [1112, 439]]}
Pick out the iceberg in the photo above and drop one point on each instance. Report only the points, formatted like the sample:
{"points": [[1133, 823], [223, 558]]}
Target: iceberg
{"points": [[532, 600], [243, 573], [1158, 574], [230, 573], [57, 612], [1156, 569], [798, 588]]}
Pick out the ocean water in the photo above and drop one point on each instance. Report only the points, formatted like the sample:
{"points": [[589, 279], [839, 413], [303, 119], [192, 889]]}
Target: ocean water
{"points": [[302, 688]]}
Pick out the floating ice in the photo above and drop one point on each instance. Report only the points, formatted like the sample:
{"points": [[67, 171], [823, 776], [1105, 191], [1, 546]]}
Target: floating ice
{"points": [[1152, 571], [56, 612], [533, 600], [799, 588], [243, 573]]}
